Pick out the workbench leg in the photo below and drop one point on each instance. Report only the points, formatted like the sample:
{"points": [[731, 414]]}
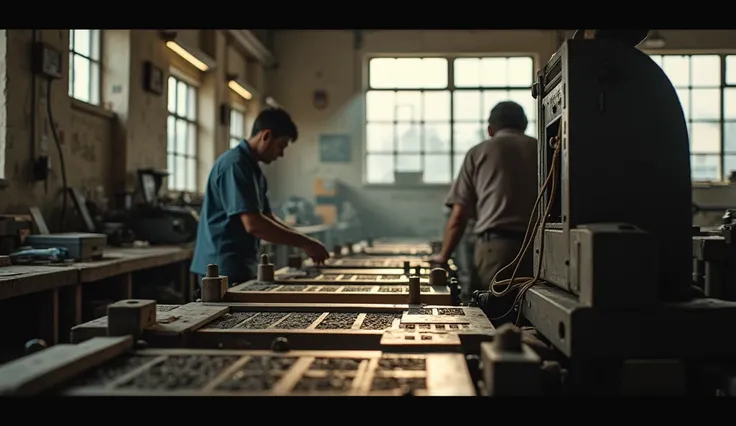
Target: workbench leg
{"points": [[186, 281], [123, 289], [49, 316], [70, 310], [193, 286]]}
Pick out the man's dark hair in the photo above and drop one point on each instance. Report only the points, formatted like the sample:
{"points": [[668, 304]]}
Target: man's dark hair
{"points": [[508, 115], [278, 121]]}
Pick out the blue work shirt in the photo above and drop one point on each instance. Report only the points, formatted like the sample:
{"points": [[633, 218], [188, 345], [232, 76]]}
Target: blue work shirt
{"points": [[235, 186]]}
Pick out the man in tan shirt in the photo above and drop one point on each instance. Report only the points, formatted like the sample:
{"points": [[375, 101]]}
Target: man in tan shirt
{"points": [[496, 186]]}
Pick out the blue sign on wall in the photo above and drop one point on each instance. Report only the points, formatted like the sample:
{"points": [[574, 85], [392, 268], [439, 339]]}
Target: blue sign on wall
{"points": [[334, 148]]}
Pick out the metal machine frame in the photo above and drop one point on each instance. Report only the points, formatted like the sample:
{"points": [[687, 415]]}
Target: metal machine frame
{"points": [[615, 252]]}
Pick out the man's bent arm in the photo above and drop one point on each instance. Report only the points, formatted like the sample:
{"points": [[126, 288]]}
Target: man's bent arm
{"points": [[263, 227], [454, 229], [280, 222]]}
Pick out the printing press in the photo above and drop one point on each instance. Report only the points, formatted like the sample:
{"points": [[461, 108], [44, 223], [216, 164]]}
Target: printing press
{"points": [[613, 289]]}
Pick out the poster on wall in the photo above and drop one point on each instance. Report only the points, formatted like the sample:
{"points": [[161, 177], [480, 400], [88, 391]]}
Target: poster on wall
{"points": [[334, 148]]}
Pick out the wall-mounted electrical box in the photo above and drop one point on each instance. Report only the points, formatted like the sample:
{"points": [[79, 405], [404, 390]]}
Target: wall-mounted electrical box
{"points": [[47, 60]]}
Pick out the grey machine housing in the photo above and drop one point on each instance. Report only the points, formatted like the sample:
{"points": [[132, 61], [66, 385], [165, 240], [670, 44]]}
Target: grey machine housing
{"points": [[616, 256]]}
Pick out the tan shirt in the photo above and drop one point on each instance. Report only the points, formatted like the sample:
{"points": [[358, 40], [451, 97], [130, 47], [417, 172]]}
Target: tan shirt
{"points": [[498, 179]]}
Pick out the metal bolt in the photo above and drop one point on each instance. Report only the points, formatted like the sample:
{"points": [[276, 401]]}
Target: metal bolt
{"points": [[508, 338]]}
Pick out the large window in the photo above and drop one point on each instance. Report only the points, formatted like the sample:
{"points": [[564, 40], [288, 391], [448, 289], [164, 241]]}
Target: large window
{"points": [[706, 85], [84, 65], [423, 114], [182, 136], [237, 127]]}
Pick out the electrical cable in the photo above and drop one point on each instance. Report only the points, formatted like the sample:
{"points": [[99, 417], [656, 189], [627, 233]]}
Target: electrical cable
{"points": [[61, 154], [525, 283]]}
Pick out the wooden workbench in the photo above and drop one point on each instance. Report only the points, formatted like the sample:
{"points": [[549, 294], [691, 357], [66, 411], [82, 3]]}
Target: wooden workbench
{"points": [[111, 278], [46, 301], [34, 311], [119, 261]]}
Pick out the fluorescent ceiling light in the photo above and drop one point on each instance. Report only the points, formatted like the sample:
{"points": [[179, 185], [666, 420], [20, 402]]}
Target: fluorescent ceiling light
{"points": [[187, 55], [239, 88], [654, 40]]}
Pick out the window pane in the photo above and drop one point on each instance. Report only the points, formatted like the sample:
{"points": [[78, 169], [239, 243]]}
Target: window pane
{"points": [[191, 174], [81, 78], [677, 69], [191, 103], [234, 142], [729, 106], [236, 126], [191, 140], [731, 69], [170, 167], [467, 72], [408, 106], [531, 129], [437, 168], [407, 73], [94, 83], [494, 72], [82, 42], [684, 95], [172, 94], [436, 106], [408, 137], [657, 59], [706, 104], [706, 71], [433, 74], [705, 138], [705, 167], [181, 99], [520, 71], [379, 137], [467, 135], [380, 105], [236, 123], [95, 48], [380, 168], [467, 105], [729, 165], [181, 172], [241, 125], [729, 137], [437, 137], [408, 163], [457, 162], [171, 134], [181, 136]]}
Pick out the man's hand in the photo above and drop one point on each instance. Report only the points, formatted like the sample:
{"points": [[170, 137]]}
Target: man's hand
{"points": [[316, 251], [437, 259]]}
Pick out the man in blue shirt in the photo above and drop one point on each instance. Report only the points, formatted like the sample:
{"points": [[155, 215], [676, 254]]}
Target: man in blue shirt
{"points": [[236, 213]]}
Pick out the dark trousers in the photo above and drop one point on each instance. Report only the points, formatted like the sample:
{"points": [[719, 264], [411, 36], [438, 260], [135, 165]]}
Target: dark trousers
{"points": [[491, 255]]}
